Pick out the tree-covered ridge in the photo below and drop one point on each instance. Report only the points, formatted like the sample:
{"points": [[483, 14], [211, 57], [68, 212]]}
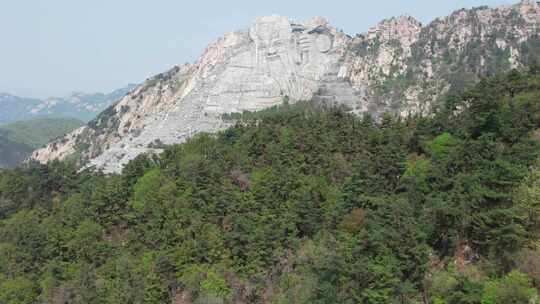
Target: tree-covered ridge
{"points": [[37, 132], [19, 139], [12, 153], [298, 204]]}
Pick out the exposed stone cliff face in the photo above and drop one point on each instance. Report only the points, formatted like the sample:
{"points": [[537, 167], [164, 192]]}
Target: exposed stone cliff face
{"points": [[405, 67], [398, 66]]}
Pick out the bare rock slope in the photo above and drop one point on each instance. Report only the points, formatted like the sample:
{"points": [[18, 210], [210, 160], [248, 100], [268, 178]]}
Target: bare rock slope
{"points": [[398, 66]]}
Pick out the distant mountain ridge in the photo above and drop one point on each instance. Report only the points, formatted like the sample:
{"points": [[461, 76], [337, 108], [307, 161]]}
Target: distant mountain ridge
{"points": [[77, 105], [399, 66]]}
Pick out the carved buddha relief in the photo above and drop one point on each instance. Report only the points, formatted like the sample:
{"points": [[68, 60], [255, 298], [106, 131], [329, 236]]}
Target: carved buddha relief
{"points": [[272, 36], [276, 39], [280, 59]]}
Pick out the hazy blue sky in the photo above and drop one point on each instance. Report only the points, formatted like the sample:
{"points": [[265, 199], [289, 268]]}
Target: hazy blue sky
{"points": [[53, 47]]}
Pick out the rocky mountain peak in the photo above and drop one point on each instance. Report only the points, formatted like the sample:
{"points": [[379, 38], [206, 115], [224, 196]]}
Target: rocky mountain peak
{"points": [[528, 3], [404, 29], [529, 10], [398, 66]]}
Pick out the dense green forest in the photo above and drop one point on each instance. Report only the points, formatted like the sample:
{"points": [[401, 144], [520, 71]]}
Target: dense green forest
{"points": [[301, 203]]}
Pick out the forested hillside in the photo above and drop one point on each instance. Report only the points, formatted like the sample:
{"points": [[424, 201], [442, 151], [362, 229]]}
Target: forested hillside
{"points": [[11, 152], [296, 204], [37, 132], [19, 139]]}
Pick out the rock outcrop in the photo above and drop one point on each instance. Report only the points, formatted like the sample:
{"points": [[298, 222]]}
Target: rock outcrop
{"points": [[398, 66]]}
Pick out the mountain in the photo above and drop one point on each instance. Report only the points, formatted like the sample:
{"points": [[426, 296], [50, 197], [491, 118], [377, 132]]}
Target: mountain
{"points": [[399, 66], [19, 139], [12, 153], [37, 132], [14, 108], [77, 105]]}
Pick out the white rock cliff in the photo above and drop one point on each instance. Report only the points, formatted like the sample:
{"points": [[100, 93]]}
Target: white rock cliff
{"points": [[397, 66]]}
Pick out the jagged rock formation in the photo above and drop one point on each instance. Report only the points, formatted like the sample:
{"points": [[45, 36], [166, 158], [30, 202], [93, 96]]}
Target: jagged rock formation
{"points": [[398, 66], [405, 67]]}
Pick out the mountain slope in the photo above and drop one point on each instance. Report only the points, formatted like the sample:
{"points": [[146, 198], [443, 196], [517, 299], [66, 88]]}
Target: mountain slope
{"points": [[399, 66], [77, 105], [11, 152], [297, 204], [37, 132], [19, 139], [405, 67], [14, 108]]}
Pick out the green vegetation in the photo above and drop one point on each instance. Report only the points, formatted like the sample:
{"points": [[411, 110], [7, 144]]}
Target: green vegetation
{"points": [[19, 139], [297, 204], [12, 153], [37, 132]]}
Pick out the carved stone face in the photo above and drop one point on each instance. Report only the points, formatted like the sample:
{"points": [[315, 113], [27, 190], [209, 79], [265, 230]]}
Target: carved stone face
{"points": [[323, 43], [272, 37], [281, 59], [275, 39]]}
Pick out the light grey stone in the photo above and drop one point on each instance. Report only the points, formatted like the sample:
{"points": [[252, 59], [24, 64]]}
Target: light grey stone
{"points": [[277, 58]]}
